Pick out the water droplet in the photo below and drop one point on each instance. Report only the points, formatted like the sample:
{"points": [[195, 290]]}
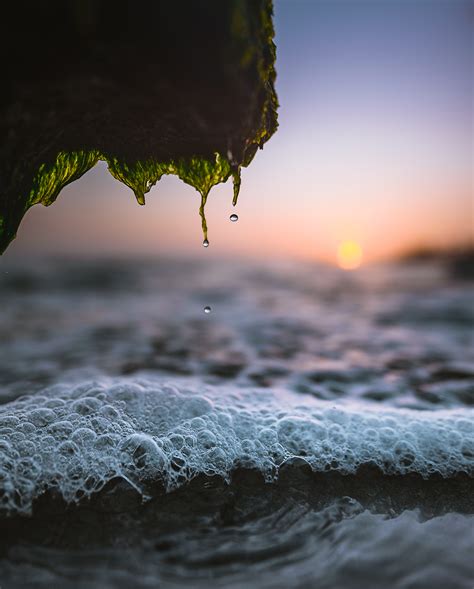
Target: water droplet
{"points": [[234, 217], [205, 243], [207, 309]]}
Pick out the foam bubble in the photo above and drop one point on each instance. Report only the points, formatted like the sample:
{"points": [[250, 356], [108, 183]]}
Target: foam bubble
{"points": [[75, 439]]}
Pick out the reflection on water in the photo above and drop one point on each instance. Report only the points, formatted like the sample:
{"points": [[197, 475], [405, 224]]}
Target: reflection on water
{"points": [[297, 363], [400, 335], [290, 544]]}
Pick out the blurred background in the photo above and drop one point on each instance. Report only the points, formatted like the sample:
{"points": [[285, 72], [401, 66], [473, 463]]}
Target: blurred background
{"points": [[372, 162], [372, 159], [346, 284]]}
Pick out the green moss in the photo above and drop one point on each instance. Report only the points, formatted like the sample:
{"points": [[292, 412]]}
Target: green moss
{"points": [[140, 176], [203, 174], [51, 179], [200, 173], [46, 185], [261, 55], [251, 45]]}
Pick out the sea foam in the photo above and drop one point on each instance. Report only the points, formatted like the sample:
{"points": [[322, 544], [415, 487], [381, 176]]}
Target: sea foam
{"points": [[76, 438]]}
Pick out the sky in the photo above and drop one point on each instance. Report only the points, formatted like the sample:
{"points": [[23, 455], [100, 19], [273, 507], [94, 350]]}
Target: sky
{"points": [[374, 149]]}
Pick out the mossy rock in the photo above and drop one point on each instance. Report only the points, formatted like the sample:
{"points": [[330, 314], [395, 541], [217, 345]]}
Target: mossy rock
{"points": [[154, 88]]}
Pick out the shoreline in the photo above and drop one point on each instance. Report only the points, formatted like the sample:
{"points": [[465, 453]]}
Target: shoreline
{"points": [[102, 518]]}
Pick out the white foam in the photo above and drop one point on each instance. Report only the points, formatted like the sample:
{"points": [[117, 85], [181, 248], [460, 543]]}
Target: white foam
{"points": [[77, 438]]}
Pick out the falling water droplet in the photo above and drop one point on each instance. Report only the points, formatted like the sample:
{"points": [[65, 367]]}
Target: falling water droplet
{"points": [[234, 217], [205, 243], [207, 309]]}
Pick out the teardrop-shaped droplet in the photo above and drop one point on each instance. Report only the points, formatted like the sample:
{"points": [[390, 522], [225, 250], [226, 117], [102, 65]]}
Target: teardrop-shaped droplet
{"points": [[207, 309], [234, 217], [205, 243]]}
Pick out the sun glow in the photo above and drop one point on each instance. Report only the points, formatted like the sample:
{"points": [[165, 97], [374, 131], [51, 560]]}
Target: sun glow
{"points": [[349, 255]]}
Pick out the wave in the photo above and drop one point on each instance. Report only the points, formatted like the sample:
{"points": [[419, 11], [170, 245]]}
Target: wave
{"points": [[74, 439]]}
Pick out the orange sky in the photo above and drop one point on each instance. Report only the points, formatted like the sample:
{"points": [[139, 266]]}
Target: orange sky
{"points": [[374, 146]]}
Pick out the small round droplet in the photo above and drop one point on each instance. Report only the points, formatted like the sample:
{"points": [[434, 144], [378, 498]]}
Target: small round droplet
{"points": [[205, 243], [207, 309], [234, 217]]}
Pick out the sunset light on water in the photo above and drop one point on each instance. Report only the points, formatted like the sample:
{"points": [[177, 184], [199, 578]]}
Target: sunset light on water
{"points": [[264, 377]]}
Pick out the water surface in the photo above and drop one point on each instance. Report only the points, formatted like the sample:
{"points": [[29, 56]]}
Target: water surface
{"points": [[315, 429]]}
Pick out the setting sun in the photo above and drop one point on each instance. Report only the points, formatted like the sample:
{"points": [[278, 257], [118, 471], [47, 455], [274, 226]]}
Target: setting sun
{"points": [[349, 255]]}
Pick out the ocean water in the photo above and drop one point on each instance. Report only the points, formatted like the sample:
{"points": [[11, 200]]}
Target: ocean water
{"points": [[315, 429]]}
